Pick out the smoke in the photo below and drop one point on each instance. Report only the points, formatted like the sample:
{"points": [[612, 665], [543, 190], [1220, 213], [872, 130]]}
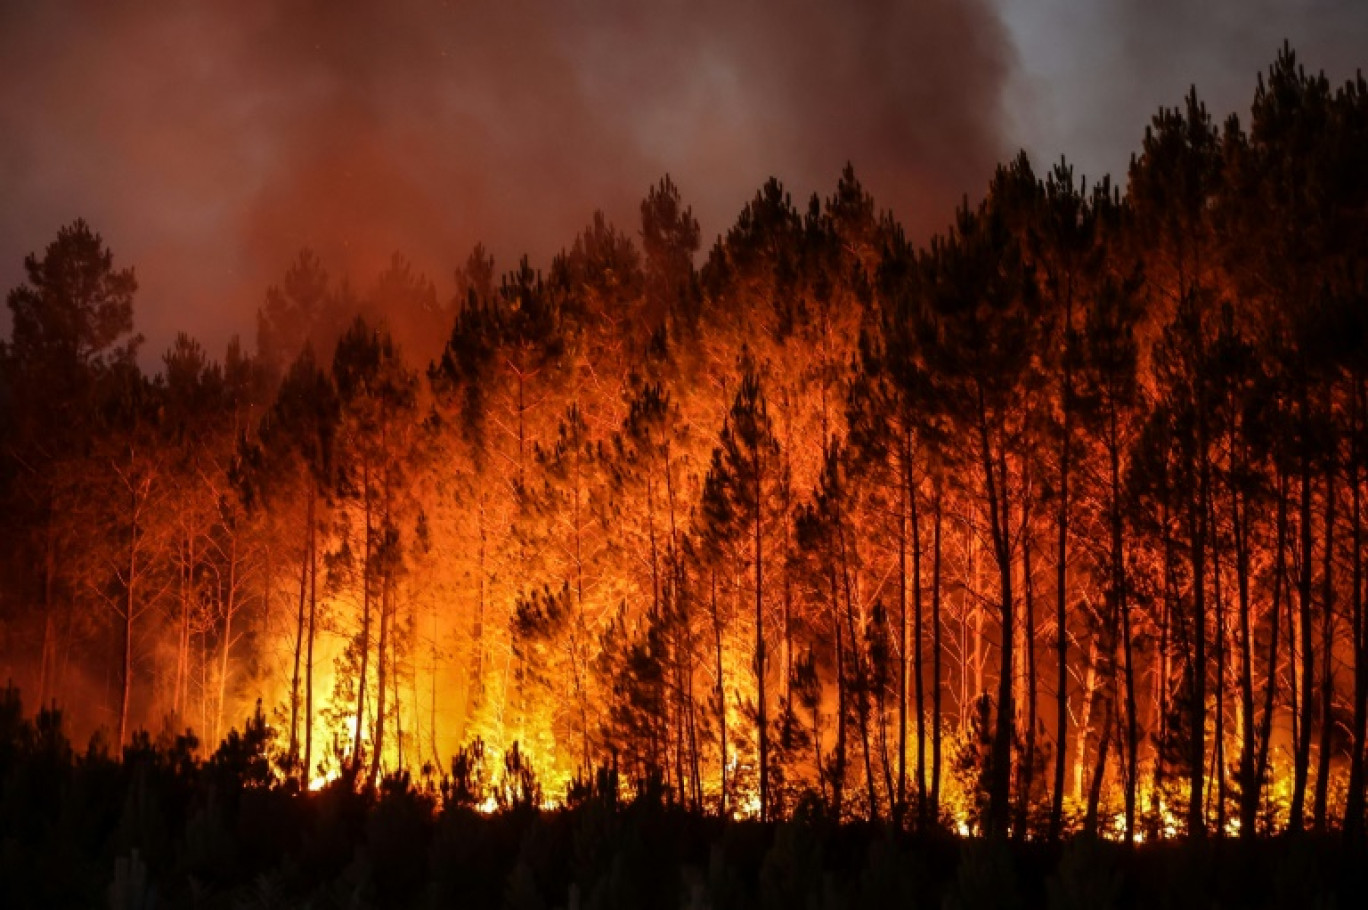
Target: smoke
{"points": [[210, 142], [1094, 74]]}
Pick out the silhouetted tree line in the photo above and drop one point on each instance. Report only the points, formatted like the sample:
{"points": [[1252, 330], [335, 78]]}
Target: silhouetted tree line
{"points": [[1051, 523], [160, 826]]}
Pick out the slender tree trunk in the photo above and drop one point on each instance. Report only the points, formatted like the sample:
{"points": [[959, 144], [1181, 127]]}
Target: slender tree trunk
{"points": [[1000, 778], [936, 649], [838, 771], [862, 674], [1218, 744], [230, 608], [919, 659], [900, 799], [721, 698], [299, 640], [1275, 612], [49, 577], [1103, 687], [129, 613], [1327, 680], [762, 718], [1099, 772], [1353, 804], [1164, 675], [187, 583], [397, 678], [1249, 784], [313, 628], [1197, 710], [1028, 760], [357, 754], [1302, 756], [1122, 589], [1062, 622], [1083, 729]]}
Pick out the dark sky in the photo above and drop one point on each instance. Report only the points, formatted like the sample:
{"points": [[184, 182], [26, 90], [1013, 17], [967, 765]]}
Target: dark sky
{"points": [[210, 142]]}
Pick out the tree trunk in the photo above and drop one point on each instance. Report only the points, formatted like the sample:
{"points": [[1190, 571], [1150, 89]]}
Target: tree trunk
{"points": [[838, 771], [900, 799], [1099, 772], [721, 698], [1028, 759], [1218, 745], [383, 670], [313, 628], [1275, 613], [1197, 710], [1302, 756], [1327, 680], [762, 718], [230, 608], [919, 660], [130, 602], [862, 676], [1062, 624], [299, 641], [1122, 594], [1353, 803], [1000, 780], [1250, 788], [357, 755], [936, 656]]}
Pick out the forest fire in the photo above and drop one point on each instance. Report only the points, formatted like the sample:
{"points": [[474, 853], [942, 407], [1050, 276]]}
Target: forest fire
{"points": [[1053, 526]]}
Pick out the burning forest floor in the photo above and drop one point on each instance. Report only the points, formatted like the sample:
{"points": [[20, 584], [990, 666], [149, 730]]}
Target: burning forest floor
{"points": [[165, 828]]}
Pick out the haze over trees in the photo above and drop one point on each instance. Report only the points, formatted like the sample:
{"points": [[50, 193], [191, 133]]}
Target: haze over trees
{"points": [[1052, 523]]}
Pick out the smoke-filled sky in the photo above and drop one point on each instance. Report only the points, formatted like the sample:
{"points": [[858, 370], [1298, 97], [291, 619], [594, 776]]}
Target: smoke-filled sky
{"points": [[209, 142]]}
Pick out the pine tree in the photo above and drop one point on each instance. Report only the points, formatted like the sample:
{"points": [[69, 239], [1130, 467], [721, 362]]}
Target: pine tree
{"points": [[293, 457], [743, 477], [377, 397], [980, 335]]}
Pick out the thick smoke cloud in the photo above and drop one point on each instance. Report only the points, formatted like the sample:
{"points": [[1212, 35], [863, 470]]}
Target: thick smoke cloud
{"points": [[210, 142]]}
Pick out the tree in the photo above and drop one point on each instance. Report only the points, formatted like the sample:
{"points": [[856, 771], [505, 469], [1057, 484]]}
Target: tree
{"points": [[890, 427], [669, 240], [377, 395], [304, 309], [1109, 403], [71, 327], [980, 336], [1172, 183], [293, 457], [741, 486]]}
